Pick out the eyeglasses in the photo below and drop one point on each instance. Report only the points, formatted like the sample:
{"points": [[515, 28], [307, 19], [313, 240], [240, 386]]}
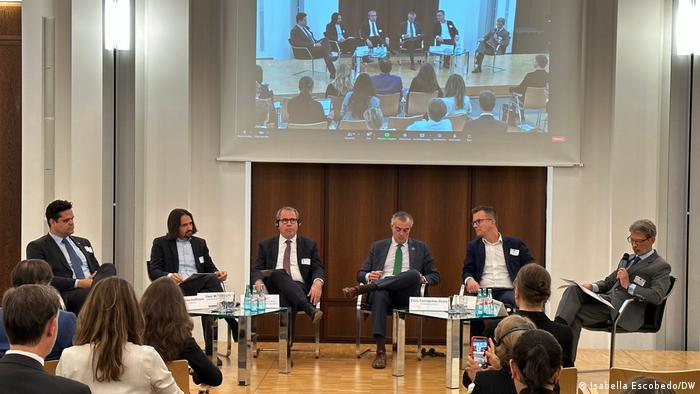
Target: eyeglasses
{"points": [[636, 241], [288, 221], [478, 221], [402, 230]]}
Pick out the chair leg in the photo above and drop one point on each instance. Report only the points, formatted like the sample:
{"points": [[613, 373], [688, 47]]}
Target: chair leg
{"points": [[493, 65], [420, 339], [358, 328], [612, 345], [317, 334]]}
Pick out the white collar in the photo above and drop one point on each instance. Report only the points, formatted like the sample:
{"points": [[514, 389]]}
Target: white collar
{"points": [[283, 240], [647, 254], [27, 354], [499, 242]]}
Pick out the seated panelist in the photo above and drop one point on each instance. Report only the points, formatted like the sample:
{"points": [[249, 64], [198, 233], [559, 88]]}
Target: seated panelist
{"points": [[302, 36], [335, 31]]}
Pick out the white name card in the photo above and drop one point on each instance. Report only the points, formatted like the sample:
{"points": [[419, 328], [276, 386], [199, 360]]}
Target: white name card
{"points": [[272, 301], [435, 304], [196, 303]]}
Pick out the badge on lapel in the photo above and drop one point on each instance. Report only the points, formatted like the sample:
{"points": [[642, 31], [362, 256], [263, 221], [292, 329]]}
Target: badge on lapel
{"points": [[305, 261], [88, 249], [639, 281], [201, 259], [514, 252]]}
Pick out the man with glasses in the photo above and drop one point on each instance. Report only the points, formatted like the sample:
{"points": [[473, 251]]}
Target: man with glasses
{"points": [[372, 33], [492, 260], [289, 265], [393, 271], [644, 275]]}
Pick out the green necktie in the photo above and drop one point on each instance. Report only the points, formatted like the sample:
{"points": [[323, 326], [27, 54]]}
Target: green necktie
{"points": [[398, 259]]}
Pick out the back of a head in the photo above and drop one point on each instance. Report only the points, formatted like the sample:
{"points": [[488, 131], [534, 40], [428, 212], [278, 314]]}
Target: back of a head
{"points": [[426, 74], [374, 118], [385, 66], [362, 93], [343, 79], [27, 310], [534, 284], [541, 61], [538, 357], [507, 333], [32, 271], [643, 385], [487, 101], [437, 109], [455, 87], [258, 73], [110, 318], [306, 85], [168, 325]]}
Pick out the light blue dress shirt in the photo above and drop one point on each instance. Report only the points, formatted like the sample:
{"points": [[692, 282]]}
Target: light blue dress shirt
{"points": [[78, 251], [185, 257]]}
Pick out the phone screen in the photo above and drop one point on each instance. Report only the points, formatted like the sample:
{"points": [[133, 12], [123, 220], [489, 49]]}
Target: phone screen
{"points": [[479, 346]]}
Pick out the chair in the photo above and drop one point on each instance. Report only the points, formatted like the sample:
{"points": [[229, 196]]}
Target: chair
{"points": [[418, 102], [363, 308], [401, 123], [352, 125], [535, 98], [626, 375], [337, 106], [419, 49], [497, 51], [317, 337], [308, 126], [303, 53], [390, 103], [568, 381], [50, 366], [653, 316], [181, 373], [458, 121]]}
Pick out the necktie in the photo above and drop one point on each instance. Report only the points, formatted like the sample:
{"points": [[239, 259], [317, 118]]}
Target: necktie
{"points": [[413, 32], [75, 261], [285, 259], [398, 260], [634, 261], [374, 29]]}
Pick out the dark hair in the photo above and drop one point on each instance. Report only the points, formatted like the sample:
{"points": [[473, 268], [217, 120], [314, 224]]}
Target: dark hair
{"points": [[306, 85], [437, 109], [54, 209], [538, 357], [362, 93], [541, 60], [456, 88], [644, 385], [258, 73], [26, 311], [501, 19], [32, 271], [534, 284], [487, 210], [426, 75], [384, 66], [174, 223], [334, 18], [168, 325], [301, 16], [487, 100], [439, 11]]}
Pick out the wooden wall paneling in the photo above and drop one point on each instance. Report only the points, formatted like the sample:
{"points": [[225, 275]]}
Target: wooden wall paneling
{"points": [[519, 195], [10, 138], [275, 185], [438, 197]]}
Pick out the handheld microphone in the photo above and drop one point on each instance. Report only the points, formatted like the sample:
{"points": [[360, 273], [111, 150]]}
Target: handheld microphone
{"points": [[624, 261]]}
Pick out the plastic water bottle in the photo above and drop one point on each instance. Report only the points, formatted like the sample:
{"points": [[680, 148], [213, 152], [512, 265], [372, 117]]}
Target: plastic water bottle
{"points": [[262, 299], [246, 301], [479, 312], [489, 304], [254, 301]]}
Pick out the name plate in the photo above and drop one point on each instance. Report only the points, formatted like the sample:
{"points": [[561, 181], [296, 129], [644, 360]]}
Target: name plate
{"points": [[434, 304], [272, 301], [196, 303]]}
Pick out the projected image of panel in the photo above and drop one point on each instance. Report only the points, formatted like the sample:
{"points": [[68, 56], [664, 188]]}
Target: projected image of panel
{"points": [[467, 74]]}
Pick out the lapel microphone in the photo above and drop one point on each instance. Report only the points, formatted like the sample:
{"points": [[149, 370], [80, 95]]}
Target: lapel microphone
{"points": [[624, 261]]}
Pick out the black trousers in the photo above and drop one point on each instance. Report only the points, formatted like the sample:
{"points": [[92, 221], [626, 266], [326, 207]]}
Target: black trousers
{"points": [[75, 298], [292, 295], [410, 44], [447, 58], [207, 284], [392, 292], [483, 49], [349, 45], [324, 51]]}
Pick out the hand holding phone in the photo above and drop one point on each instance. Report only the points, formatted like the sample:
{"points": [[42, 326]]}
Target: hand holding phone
{"points": [[478, 348]]}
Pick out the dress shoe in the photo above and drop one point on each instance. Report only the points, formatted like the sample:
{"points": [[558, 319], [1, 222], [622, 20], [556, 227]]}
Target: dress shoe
{"points": [[318, 314], [219, 362], [351, 292], [379, 360], [476, 70]]}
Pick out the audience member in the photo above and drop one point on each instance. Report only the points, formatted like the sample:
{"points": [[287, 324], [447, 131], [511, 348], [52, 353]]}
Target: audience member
{"points": [[535, 79], [425, 82], [31, 321], [169, 330], [263, 91], [342, 84], [108, 353], [536, 363], [385, 83], [456, 97], [496, 377], [486, 122], [436, 118], [39, 272], [304, 108], [374, 118], [360, 98]]}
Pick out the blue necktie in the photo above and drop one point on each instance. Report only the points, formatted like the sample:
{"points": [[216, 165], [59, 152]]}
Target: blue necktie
{"points": [[634, 261], [412, 34], [374, 29], [75, 261]]}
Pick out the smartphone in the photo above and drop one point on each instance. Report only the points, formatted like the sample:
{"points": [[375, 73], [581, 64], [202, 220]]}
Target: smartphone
{"points": [[479, 345]]}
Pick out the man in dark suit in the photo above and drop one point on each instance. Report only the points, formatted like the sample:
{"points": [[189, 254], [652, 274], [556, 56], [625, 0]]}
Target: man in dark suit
{"points": [[185, 259], [645, 276], [31, 320], [492, 260], [372, 33], [385, 83], [411, 36], [292, 266], [301, 36], [72, 259], [446, 33], [335, 31], [536, 79], [391, 276], [304, 108], [494, 42], [486, 122]]}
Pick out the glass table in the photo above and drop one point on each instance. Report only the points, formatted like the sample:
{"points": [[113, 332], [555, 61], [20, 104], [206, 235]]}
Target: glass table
{"points": [[364, 51], [244, 324], [458, 55], [453, 336]]}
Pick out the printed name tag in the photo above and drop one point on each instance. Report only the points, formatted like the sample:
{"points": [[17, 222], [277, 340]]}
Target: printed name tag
{"points": [[201, 259], [439, 304], [88, 249], [639, 280], [515, 252], [305, 261]]}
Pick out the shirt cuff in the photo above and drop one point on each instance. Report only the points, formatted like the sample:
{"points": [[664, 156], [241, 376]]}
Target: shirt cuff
{"points": [[319, 280], [170, 275], [630, 288], [76, 283], [594, 287], [467, 280], [367, 277]]}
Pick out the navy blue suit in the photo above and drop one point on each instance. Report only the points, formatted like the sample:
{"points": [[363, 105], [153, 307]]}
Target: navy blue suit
{"points": [[387, 83], [22, 374], [66, 331]]}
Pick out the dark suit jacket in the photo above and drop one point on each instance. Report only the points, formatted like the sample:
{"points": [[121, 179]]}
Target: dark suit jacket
{"points": [[203, 370], [306, 249], [365, 30], [403, 30], [300, 39], [420, 259], [535, 79], [332, 34], [21, 374], [66, 331], [475, 259], [304, 109], [164, 258], [655, 272], [387, 83], [496, 382], [450, 26], [486, 124], [491, 40], [45, 248]]}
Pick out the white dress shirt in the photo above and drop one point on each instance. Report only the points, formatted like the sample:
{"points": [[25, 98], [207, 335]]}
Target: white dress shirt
{"points": [[339, 31], [391, 256], [373, 31], [445, 31], [27, 354], [495, 271], [293, 262]]}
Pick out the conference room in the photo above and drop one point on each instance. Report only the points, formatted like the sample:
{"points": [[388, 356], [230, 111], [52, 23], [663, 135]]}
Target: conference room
{"points": [[150, 169]]}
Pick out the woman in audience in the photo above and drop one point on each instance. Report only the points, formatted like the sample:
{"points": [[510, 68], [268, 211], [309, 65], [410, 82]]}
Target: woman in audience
{"points": [[496, 378], [360, 98], [108, 354], [39, 272], [455, 96], [374, 118], [169, 330], [425, 82], [342, 83], [536, 363]]}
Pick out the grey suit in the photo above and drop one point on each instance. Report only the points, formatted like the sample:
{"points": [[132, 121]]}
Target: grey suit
{"points": [[652, 277]]}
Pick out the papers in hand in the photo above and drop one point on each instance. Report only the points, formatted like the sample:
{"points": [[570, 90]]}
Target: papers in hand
{"points": [[197, 275], [595, 296]]}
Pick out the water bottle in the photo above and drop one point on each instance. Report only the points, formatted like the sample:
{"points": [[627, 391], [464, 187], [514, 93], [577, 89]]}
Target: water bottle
{"points": [[262, 299], [489, 303], [254, 301], [479, 312], [246, 301]]}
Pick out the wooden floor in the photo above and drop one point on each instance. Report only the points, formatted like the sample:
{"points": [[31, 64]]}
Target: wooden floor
{"points": [[339, 371], [283, 75]]}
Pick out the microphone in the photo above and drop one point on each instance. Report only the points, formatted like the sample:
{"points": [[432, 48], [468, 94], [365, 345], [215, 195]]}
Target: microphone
{"points": [[624, 261]]}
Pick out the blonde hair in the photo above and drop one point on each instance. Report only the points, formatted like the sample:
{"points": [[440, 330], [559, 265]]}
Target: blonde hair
{"points": [[343, 79], [507, 333]]}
